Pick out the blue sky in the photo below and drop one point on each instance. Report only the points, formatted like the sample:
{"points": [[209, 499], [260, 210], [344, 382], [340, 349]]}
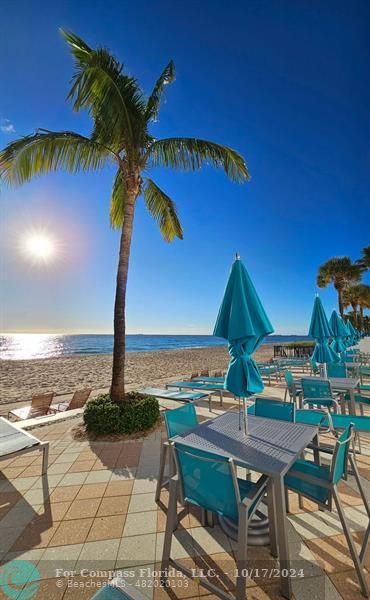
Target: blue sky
{"points": [[286, 84]]}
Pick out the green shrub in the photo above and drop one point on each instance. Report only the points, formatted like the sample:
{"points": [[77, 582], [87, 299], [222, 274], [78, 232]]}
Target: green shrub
{"points": [[137, 413]]}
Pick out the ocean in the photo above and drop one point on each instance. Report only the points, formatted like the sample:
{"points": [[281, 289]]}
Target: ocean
{"points": [[44, 345]]}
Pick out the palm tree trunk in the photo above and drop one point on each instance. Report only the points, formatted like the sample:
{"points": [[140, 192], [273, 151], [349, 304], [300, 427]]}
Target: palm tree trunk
{"points": [[361, 317], [340, 302], [119, 347], [354, 308]]}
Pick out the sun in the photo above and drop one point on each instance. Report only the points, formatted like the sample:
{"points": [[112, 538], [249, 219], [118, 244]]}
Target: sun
{"points": [[39, 247]]}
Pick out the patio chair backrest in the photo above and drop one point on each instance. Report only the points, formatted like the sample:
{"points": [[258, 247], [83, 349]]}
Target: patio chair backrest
{"points": [[336, 370], [42, 401], [275, 409], [340, 454], [288, 376], [316, 389], [180, 420], [79, 399], [207, 480]]}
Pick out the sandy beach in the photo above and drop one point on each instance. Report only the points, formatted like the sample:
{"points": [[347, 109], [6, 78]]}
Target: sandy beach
{"points": [[22, 378]]}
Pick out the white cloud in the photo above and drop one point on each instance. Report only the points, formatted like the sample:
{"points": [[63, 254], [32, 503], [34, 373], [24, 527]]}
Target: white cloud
{"points": [[6, 126]]}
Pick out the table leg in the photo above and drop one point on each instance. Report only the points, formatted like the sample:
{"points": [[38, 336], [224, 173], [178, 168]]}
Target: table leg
{"points": [[353, 402], [282, 535]]}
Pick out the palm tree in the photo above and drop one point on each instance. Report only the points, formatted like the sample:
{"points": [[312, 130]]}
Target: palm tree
{"points": [[364, 261], [363, 300], [120, 135], [341, 272], [351, 297]]}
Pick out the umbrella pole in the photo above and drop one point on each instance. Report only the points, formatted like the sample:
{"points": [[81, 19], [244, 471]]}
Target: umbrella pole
{"points": [[245, 423]]}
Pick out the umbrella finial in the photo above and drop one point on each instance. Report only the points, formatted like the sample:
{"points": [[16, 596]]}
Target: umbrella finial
{"points": [[237, 256]]}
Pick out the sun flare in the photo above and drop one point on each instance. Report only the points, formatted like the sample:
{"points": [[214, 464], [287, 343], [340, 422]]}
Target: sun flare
{"points": [[39, 247]]}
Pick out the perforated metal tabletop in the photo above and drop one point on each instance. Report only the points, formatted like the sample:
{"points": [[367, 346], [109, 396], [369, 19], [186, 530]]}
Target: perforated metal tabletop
{"points": [[270, 447]]}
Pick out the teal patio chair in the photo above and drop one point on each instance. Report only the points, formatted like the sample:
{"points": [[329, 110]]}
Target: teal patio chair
{"points": [[318, 393], [209, 481], [292, 389], [274, 409], [319, 484], [336, 370], [179, 421], [360, 400]]}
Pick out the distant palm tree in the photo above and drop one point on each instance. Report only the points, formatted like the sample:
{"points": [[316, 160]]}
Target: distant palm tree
{"points": [[121, 117], [351, 297], [341, 272], [364, 261], [363, 300]]}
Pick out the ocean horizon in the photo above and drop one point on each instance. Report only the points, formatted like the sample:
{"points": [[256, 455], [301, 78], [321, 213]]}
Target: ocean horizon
{"points": [[25, 346]]}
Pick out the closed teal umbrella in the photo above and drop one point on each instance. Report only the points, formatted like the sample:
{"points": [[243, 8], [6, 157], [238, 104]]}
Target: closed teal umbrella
{"points": [[321, 331], [352, 332], [339, 332], [348, 339], [242, 321]]}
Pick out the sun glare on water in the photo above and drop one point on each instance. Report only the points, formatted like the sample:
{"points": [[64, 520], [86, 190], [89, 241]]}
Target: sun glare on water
{"points": [[39, 247]]}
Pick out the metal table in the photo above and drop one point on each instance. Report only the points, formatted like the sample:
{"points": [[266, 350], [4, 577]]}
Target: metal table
{"points": [[338, 384], [271, 447], [202, 387]]}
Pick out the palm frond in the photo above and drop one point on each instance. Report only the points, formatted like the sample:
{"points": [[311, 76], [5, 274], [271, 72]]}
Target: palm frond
{"points": [[152, 107], [47, 151], [117, 201], [163, 209], [190, 154], [99, 85]]}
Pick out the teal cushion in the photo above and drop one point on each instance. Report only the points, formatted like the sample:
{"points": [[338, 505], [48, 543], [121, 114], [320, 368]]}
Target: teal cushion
{"points": [[313, 491]]}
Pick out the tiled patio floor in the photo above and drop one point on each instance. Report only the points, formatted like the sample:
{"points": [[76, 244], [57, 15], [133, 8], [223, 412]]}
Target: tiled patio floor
{"points": [[101, 515]]}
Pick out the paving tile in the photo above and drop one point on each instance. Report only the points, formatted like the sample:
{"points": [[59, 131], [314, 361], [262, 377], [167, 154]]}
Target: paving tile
{"points": [[58, 557], [347, 584], [333, 552], [136, 550], [142, 486], [142, 502], [182, 545], [70, 532], [93, 490], [35, 497], [81, 466], [82, 508], [52, 589], [94, 553], [59, 468], [52, 481], [22, 484], [113, 505], [315, 588], [56, 510], [138, 523], [98, 477], [121, 474], [210, 540], [105, 528], [67, 457], [74, 478], [36, 535], [312, 525], [349, 496], [119, 488], [62, 494]]}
